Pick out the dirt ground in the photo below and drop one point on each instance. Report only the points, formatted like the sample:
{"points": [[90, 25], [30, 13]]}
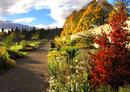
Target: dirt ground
{"points": [[30, 75]]}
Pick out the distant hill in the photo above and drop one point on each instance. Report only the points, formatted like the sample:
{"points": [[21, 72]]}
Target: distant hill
{"points": [[92, 15], [10, 25]]}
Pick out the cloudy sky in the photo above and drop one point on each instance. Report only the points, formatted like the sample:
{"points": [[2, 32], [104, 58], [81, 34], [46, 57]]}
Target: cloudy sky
{"points": [[40, 13]]}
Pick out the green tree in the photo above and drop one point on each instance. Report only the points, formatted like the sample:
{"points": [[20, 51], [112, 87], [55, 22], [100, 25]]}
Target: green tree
{"points": [[35, 36], [8, 41]]}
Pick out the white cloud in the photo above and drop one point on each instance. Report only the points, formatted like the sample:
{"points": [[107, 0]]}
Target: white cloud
{"points": [[24, 20], [59, 9], [5, 5], [40, 26], [53, 25], [22, 6], [2, 19]]}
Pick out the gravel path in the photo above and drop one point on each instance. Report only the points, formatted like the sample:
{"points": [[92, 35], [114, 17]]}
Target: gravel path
{"points": [[30, 75]]}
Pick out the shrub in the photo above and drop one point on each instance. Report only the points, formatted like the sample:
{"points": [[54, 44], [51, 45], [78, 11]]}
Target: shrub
{"points": [[59, 42], [4, 53], [35, 36], [71, 51], [55, 58], [24, 43], [124, 89], [16, 48], [5, 60], [110, 65], [67, 64], [8, 41], [68, 70], [85, 41]]}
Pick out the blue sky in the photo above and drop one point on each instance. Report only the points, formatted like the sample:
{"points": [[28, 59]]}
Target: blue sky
{"points": [[40, 13], [41, 16]]}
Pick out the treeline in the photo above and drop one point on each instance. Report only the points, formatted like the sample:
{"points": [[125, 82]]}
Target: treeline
{"points": [[29, 34]]}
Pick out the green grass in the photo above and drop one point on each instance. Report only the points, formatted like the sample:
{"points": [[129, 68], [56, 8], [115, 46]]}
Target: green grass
{"points": [[23, 53], [24, 46], [35, 43], [16, 47]]}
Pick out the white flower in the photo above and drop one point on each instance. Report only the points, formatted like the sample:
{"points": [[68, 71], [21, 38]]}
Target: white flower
{"points": [[77, 67]]}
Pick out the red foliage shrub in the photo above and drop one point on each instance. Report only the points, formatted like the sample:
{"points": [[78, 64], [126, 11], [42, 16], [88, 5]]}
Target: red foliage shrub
{"points": [[110, 65]]}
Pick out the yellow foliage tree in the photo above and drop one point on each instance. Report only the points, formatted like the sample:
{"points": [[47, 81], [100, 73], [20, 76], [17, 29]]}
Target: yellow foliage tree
{"points": [[94, 14]]}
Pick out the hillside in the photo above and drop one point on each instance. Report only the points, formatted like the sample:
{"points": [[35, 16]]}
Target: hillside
{"points": [[10, 25], [93, 14]]}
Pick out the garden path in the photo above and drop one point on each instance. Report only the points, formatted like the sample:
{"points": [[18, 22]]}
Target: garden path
{"points": [[30, 75]]}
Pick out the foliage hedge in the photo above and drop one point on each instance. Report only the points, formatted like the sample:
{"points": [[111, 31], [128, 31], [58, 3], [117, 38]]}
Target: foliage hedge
{"points": [[67, 65], [76, 65], [5, 61]]}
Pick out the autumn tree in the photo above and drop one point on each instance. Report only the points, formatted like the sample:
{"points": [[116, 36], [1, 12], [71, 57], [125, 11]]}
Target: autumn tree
{"points": [[110, 65], [94, 14]]}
